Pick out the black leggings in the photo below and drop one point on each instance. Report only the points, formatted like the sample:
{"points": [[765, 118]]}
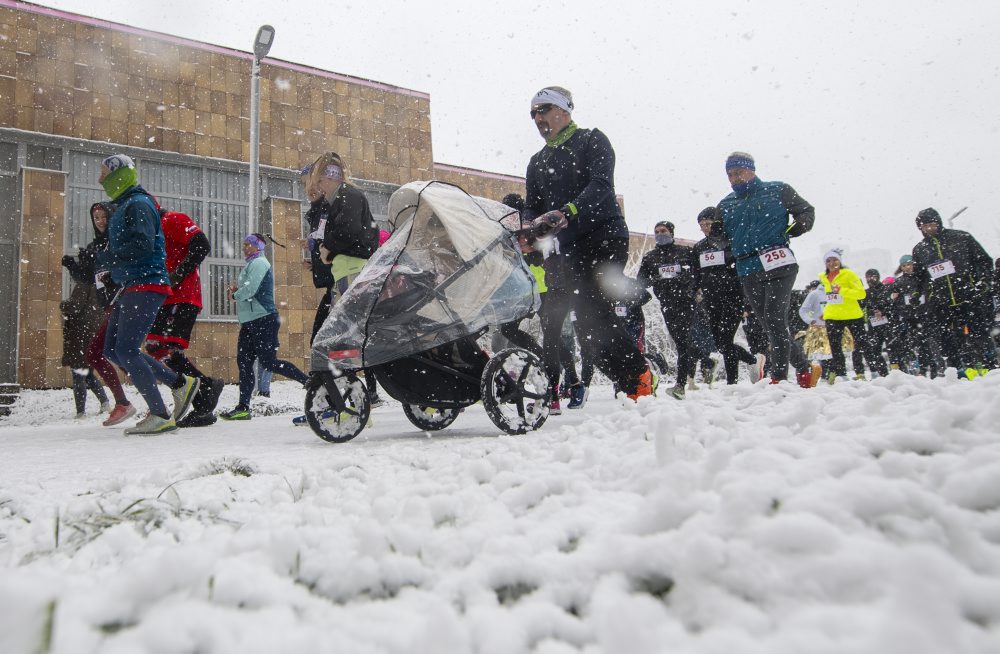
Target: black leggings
{"points": [[258, 339], [724, 317], [862, 345], [81, 383], [678, 316], [769, 298], [556, 305]]}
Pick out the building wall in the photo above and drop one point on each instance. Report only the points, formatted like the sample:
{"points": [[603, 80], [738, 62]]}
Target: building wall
{"points": [[40, 270], [73, 76], [480, 182]]}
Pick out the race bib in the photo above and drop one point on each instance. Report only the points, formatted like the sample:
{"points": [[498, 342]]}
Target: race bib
{"points": [[834, 298], [317, 234], [778, 257], [878, 322], [712, 258], [670, 271], [941, 268], [621, 311]]}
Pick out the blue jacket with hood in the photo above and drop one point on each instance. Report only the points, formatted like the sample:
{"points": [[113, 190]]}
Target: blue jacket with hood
{"points": [[136, 252], [757, 219]]}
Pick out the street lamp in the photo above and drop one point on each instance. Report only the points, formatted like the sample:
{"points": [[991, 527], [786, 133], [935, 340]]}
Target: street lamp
{"points": [[261, 46]]}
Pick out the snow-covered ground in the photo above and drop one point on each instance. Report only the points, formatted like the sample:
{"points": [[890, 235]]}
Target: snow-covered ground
{"points": [[862, 517]]}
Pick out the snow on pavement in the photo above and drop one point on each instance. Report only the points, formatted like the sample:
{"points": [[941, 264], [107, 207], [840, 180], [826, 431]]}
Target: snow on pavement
{"points": [[862, 517]]}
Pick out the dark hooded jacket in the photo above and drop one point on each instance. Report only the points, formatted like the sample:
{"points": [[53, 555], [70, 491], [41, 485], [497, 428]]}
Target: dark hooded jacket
{"points": [[83, 268], [972, 280], [83, 311], [910, 304], [136, 252], [878, 298]]}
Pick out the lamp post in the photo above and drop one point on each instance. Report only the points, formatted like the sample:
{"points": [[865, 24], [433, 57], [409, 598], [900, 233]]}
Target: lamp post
{"points": [[261, 46]]}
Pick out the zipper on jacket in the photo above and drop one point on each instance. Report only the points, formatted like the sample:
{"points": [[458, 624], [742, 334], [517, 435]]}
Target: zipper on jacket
{"points": [[951, 291]]}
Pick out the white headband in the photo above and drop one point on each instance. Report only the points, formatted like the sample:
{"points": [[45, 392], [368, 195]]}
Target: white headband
{"points": [[548, 96], [116, 161]]}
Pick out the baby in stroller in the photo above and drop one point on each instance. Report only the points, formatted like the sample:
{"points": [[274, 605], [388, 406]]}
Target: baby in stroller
{"points": [[448, 273]]}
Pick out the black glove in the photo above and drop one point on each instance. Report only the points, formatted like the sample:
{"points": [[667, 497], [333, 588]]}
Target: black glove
{"points": [[175, 278], [68, 261]]}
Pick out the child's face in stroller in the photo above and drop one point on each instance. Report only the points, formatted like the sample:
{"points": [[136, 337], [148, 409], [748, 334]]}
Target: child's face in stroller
{"points": [[526, 243]]}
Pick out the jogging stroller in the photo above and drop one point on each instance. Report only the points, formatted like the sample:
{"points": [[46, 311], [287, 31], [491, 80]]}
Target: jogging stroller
{"points": [[412, 317]]}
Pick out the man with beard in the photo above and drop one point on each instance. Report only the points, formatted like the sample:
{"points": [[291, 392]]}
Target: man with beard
{"points": [[957, 275], [755, 220], [570, 195]]}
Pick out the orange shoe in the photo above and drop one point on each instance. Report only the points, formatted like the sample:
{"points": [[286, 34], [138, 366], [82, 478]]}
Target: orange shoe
{"points": [[645, 386], [815, 374]]}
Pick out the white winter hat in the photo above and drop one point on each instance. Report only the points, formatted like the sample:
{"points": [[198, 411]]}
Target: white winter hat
{"points": [[835, 253]]}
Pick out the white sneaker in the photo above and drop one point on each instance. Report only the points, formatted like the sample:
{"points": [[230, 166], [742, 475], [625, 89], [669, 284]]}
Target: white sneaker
{"points": [[759, 370], [184, 395], [152, 424]]}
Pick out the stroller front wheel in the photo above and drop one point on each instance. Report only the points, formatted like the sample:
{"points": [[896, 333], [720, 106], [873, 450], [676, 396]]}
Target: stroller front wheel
{"points": [[337, 408], [515, 391]]}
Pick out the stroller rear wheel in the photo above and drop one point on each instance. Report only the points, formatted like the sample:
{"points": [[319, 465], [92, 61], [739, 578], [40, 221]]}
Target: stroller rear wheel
{"points": [[337, 409], [515, 391], [430, 418]]}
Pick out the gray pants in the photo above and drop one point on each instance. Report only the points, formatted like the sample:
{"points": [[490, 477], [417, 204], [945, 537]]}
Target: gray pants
{"points": [[769, 298]]}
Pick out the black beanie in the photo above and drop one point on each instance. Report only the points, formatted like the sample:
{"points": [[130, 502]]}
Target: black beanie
{"points": [[929, 216], [514, 201], [709, 213], [665, 223], [872, 271]]}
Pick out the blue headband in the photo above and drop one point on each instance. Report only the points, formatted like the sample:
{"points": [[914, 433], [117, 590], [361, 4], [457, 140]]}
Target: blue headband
{"points": [[333, 171], [739, 161]]}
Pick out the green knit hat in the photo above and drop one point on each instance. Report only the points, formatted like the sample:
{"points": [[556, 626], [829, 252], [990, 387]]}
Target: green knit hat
{"points": [[122, 176]]}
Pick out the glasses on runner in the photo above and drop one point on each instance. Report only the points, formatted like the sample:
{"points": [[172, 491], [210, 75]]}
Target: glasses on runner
{"points": [[541, 109]]}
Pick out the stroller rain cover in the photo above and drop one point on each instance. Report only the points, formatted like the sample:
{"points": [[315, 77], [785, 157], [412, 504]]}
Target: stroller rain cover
{"points": [[449, 269]]}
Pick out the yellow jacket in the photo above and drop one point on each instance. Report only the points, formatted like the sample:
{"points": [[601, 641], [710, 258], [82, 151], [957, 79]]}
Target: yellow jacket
{"points": [[539, 274], [843, 305]]}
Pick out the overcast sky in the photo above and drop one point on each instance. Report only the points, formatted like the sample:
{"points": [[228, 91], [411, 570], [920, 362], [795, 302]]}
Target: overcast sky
{"points": [[872, 110]]}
